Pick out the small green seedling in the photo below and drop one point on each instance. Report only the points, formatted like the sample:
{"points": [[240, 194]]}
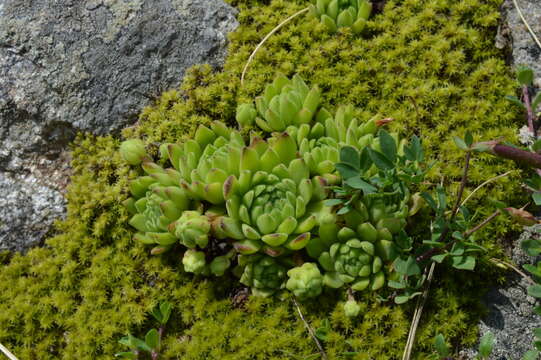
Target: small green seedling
{"points": [[152, 342]]}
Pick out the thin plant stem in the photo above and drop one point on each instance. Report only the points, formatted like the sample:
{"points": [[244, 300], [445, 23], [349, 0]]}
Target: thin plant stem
{"points": [[428, 254], [462, 186], [526, 23], [6, 352], [513, 267], [265, 39], [417, 315], [530, 117], [482, 223], [310, 331], [445, 231], [485, 183]]}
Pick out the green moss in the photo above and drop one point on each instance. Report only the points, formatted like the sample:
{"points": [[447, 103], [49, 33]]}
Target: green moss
{"points": [[429, 64]]}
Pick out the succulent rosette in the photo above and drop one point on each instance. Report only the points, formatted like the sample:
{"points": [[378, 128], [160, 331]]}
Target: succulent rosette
{"points": [[305, 281], [205, 162], [352, 308], [284, 103], [264, 274], [335, 14], [353, 262], [196, 261], [154, 206], [274, 204], [192, 229]]}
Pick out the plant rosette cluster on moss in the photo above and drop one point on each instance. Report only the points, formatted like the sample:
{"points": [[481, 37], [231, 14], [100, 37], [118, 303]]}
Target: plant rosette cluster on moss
{"points": [[264, 207]]}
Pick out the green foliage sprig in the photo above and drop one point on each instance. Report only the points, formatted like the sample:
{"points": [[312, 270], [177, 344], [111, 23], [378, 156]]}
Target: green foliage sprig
{"points": [[486, 345], [152, 343]]}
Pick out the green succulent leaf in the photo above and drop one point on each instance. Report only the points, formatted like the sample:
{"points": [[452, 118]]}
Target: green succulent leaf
{"points": [[347, 171], [464, 262], [343, 210], [333, 202], [408, 267], [165, 309], [156, 313], [439, 258], [396, 285], [401, 299], [461, 144], [365, 160], [468, 139], [536, 196], [322, 333], [534, 270]]}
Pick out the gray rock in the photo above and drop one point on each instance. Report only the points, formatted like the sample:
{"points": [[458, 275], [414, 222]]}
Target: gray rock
{"points": [[28, 209], [514, 35], [68, 66], [510, 317]]}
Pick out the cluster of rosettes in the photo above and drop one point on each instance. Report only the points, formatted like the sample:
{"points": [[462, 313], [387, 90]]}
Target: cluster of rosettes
{"points": [[257, 205]]}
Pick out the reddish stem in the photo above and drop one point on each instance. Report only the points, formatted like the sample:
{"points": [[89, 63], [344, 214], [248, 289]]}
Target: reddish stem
{"points": [[518, 155], [508, 152], [530, 117]]}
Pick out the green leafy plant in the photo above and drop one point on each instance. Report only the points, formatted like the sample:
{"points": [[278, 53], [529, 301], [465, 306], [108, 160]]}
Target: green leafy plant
{"points": [[451, 238], [486, 345], [152, 342], [532, 247]]}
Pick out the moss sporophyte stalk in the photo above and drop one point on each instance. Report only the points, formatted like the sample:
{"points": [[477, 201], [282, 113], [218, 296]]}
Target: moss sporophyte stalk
{"points": [[430, 65]]}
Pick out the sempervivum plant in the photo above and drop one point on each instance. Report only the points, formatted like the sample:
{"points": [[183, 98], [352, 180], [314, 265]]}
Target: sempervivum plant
{"points": [[272, 205], [305, 281], [156, 202], [264, 274], [353, 262], [207, 160], [284, 103], [321, 201], [342, 13]]}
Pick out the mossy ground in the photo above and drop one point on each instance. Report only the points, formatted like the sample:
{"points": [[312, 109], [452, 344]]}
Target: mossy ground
{"points": [[429, 64]]}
